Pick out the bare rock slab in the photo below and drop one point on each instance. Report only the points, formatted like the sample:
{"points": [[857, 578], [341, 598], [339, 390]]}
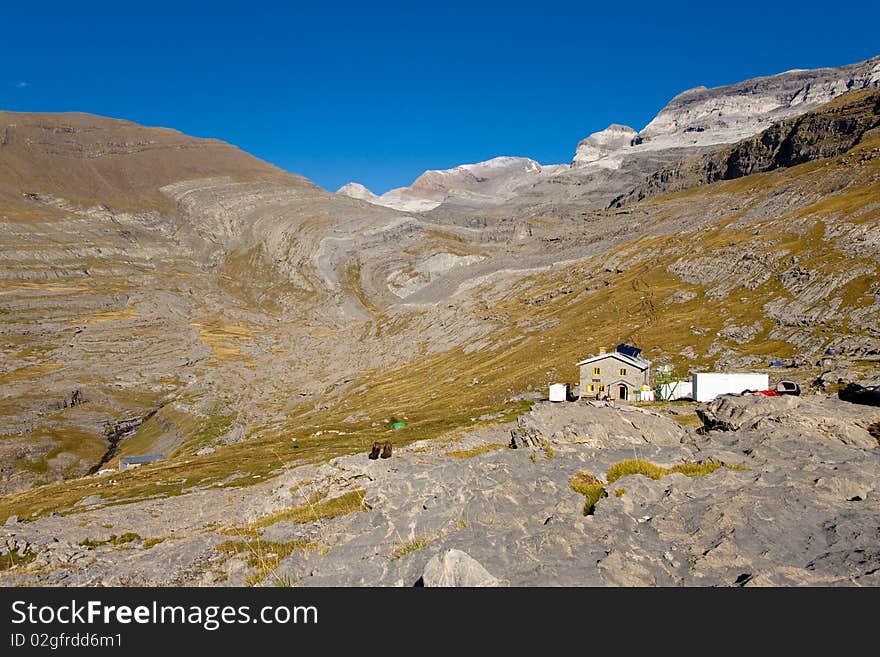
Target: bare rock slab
{"points": [[454, 568]]}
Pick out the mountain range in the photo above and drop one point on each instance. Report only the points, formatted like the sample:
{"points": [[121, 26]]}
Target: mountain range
{"points": [[694, 120]]}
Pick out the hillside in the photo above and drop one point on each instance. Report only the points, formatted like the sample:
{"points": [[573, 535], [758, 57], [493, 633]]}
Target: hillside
{"points": [[88, 160]]}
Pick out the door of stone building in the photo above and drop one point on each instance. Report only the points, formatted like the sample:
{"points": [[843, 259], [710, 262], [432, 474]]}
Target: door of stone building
{"points": [[622, 391]]}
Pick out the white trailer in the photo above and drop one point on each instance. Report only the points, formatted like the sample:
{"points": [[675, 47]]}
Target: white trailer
{"points": [[559, 392], [709, 385]]}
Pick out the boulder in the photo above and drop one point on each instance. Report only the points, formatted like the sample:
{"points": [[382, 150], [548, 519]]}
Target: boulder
{"points": [[596, 424], [456, 568], [807, 418]]}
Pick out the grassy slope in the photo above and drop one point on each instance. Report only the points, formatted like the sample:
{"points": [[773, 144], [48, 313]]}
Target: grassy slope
{"points": [[118, 163]]}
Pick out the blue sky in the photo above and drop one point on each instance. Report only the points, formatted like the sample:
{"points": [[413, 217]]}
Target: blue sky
{"points": [[379, 91]]}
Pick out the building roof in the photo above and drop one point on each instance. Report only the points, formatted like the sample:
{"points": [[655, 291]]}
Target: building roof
{"points": [[145, 458], [629, 350], [639, 362]]}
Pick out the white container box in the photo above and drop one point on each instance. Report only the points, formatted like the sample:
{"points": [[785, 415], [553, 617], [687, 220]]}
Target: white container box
{"points": [[709, 385], [559, 392]]}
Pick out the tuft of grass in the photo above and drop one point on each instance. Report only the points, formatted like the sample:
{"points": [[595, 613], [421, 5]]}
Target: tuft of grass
{"points": [[284, 581], [696, 469], [14, 559], [619, 492], [549, 452], [127, 537], [635, 466], [300, 485], [410, 546], [316, 508], [591, 488], [264, 556], [476, 451], [150, 542], [688, 420], [654, 471]]}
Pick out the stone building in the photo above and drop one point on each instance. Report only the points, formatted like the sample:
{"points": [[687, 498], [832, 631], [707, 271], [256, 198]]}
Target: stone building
{"points": [[618, 374]]}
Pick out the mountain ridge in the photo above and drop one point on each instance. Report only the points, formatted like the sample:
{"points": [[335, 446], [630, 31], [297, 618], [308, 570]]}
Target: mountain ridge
{"points": [[692, 121], [831, 130]]}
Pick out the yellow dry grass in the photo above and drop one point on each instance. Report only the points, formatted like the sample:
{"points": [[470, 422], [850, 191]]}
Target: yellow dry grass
{"points": [[43, 287], [29, 373], [316, 509], [112, 316], [224, 340], [476, 451]]}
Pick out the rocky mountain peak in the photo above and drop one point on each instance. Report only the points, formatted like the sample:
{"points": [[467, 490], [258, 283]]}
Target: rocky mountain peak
{"points": [[472, 176], [599, 145], [721, 115], [700, 117], [356, 190], [827, 131], [488, 180]]}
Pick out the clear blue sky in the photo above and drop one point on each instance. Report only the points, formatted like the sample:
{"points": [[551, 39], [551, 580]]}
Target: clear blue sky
{"points": [[378, 91]]}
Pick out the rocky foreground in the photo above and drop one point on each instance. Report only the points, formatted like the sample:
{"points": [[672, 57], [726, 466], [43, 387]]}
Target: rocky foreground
{"points": [[787, 494]]}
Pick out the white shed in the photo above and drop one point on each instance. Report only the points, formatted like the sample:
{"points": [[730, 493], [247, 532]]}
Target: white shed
{"points": [[559, 392], [709, 385]]}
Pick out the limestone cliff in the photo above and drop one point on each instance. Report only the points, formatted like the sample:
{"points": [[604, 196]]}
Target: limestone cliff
{"points": [[826, 132]]}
